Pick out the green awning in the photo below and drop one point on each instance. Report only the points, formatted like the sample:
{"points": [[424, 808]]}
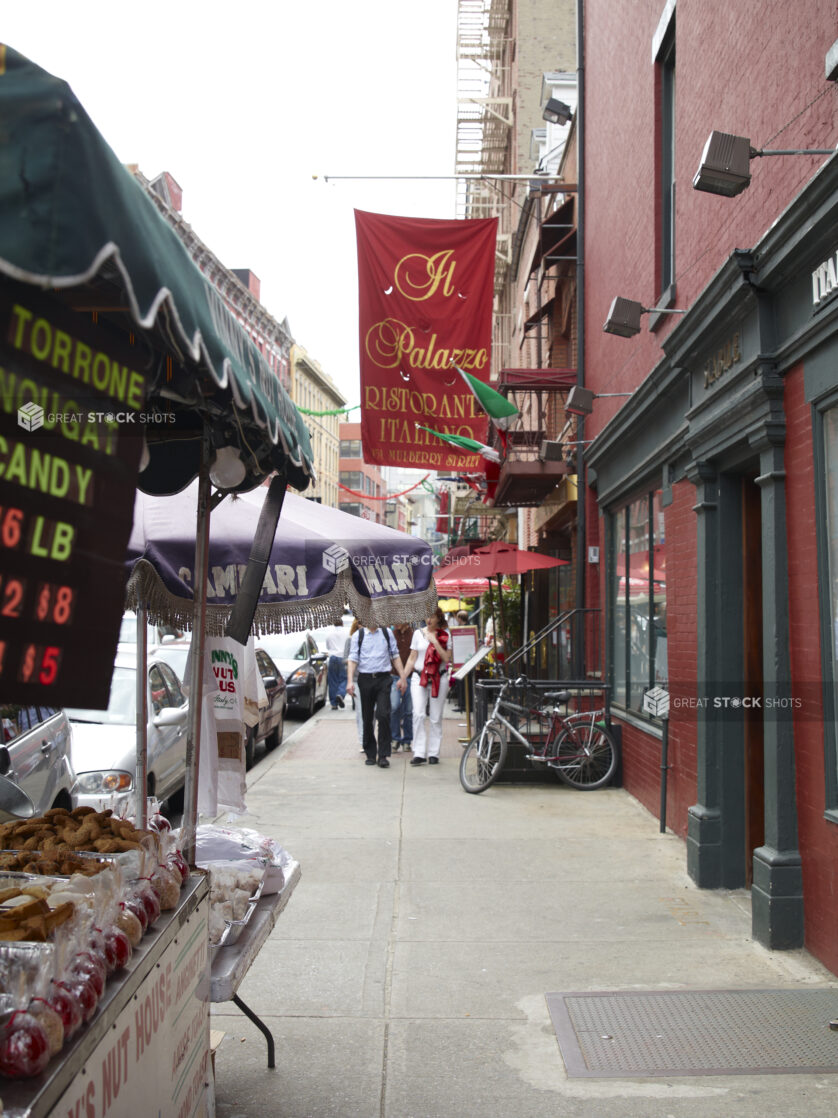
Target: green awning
{"points": [[73, 217]]}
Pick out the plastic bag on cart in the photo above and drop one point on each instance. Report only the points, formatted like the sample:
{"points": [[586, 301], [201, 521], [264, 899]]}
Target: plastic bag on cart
{"points": [[220, 844]]}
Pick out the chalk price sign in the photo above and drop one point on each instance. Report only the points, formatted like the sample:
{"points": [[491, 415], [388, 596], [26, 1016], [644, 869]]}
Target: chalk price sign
{"points": [[68, 470]]}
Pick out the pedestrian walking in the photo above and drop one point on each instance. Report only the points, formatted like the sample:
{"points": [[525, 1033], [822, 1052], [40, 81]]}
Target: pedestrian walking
{"points": [[373, 655], [335, 646], [356, 699], [401, 703], [427, 669]]}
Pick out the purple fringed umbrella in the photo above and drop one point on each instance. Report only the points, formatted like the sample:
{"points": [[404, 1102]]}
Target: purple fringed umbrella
{"points": [[320, 559]]}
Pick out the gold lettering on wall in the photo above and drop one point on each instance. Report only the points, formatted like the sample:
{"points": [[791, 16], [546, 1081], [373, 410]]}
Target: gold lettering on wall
{"points": [[723, 359]]}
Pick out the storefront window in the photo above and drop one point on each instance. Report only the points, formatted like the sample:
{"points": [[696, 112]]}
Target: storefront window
{"points": [[619, 627], [660, 670], [638, 601]]}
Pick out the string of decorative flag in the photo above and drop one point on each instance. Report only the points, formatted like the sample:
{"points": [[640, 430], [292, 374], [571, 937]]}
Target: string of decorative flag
{"points": [[499, 409], [329, 411], [388, 496]]}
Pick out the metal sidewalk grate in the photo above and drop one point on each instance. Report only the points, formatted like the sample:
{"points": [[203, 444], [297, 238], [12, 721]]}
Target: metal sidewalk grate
{"points": [[627, 1033]]}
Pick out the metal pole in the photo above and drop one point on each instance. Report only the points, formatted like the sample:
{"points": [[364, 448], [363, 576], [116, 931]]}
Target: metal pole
{"points": [[247, 598], [664, 771], [581, 519], [467, 685], [141, 774], [504, 634], [570, 187], [494, 624], [193, 733]]}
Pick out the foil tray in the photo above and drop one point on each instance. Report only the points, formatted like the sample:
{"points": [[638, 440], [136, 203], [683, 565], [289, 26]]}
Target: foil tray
{"points": [[234, 928]]}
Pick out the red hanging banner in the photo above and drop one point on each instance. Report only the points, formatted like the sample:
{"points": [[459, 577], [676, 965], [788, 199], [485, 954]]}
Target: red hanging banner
{"points": [[425, 291]]}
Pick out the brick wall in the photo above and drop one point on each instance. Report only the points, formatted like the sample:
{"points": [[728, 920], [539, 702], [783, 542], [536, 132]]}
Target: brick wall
{"points": [[545, 40], [743, 68], [818, 838]]}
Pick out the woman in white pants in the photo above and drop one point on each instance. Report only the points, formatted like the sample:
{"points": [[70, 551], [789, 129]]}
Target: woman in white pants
{"points": [[427, 668]]}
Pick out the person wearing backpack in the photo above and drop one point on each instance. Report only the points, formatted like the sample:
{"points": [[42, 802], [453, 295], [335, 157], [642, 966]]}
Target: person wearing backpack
{"points": [[373, 656]]}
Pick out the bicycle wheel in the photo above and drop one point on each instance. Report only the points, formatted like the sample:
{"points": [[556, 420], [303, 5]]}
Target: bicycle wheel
{"points": [[586, 757], [483, 759]]}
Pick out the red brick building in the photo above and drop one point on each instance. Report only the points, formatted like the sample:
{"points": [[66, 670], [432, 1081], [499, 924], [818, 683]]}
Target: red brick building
{"points": [[712, 485], [365, 481]]}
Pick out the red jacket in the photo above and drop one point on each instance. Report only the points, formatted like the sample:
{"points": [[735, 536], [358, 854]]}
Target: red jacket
{"points": [[431, 671]]}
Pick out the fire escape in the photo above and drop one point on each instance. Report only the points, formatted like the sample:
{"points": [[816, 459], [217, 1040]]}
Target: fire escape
{"points": [[485, 116], [535, 327], [540, 446]]}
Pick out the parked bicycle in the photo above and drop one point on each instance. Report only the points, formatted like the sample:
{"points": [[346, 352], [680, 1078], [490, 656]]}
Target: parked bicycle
{"points": [[577, 746]]}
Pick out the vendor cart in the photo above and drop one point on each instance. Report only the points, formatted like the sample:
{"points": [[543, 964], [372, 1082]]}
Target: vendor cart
{"points": [[106, 315], [149, 1038]]}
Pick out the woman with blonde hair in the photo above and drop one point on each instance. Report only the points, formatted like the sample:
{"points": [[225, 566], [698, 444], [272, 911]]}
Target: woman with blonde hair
{"points": [[427, 668]]}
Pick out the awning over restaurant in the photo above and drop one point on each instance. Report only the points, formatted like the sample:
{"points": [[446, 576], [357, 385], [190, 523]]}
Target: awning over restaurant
{"points": [[75, 222]]}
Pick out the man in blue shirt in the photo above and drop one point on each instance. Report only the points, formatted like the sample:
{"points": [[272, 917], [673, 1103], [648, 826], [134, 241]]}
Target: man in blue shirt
{"points": [[373, 655]]}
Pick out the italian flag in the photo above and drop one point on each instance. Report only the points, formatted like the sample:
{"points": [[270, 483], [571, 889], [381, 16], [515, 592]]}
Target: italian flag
{"points": [[471, 445], [496, 406]]}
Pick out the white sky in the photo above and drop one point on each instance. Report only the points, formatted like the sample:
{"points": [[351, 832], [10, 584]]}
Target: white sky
{"points": [[242, 103]]}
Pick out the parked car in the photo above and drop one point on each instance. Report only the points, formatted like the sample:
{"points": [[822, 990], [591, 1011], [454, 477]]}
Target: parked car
{"points": [[175, 653], [155, 634], [35, 755], [303, 667], [104, 742], [272, 717]]}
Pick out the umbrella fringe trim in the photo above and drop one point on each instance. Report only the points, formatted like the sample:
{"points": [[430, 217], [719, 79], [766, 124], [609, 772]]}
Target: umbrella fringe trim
{"points": [[145, 587]]}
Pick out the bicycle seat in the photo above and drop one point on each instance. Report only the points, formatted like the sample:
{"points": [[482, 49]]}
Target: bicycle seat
{"points": [[559, 696]]}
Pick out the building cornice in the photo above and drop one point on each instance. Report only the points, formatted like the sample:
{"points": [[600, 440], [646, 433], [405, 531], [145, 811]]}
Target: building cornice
{"points": [[222, 278]]}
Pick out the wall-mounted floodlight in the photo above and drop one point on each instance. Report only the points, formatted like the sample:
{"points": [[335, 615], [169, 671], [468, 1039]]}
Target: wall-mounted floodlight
{"points": [[725, 166], [557, 112], [624, 316], [580, 401]]}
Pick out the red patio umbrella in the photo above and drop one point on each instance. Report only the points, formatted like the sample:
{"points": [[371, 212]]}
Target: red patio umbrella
{"points": [[496, 560], [460, 587]]}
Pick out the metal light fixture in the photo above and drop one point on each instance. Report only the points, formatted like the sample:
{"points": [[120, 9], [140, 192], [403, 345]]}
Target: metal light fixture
{"points": [[624, 316], [725, 163], [580, 401], [557, 112], [227, 469], [550, 450]]}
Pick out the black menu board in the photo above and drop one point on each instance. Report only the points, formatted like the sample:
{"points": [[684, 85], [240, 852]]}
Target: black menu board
{"points": [[72, 392]]}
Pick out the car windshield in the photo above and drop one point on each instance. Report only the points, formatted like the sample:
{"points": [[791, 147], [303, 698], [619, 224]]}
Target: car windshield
{"points": [[285, 646], [121, 702], [176, 659]]}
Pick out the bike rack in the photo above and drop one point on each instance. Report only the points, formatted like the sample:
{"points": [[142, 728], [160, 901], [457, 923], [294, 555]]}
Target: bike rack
{"points": [[589, 693]]}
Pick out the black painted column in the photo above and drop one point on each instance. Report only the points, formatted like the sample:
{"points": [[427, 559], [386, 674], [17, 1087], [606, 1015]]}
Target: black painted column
{"points": [[704, 836], [777, 892]]}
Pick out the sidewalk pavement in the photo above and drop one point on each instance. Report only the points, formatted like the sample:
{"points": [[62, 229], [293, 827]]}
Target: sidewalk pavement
{"points": [[407, 976]]}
